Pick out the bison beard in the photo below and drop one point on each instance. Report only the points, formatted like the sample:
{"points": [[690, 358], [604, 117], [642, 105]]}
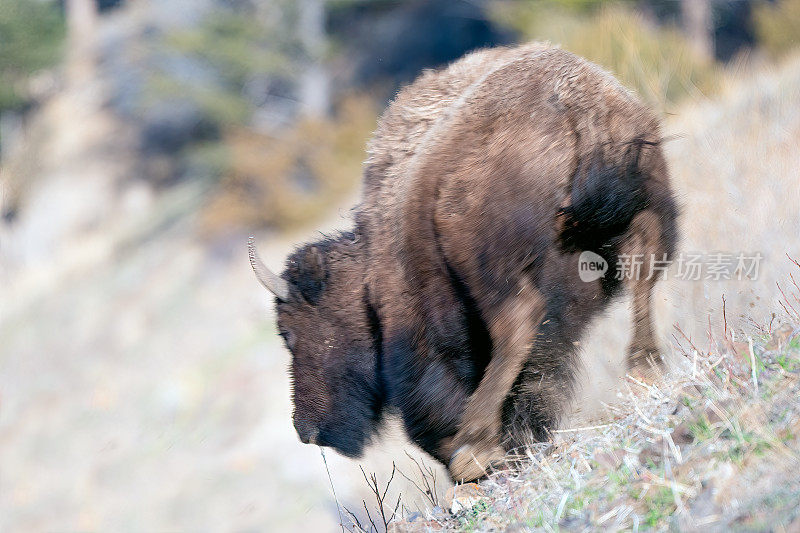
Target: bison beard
{"points": [[456, 302]]}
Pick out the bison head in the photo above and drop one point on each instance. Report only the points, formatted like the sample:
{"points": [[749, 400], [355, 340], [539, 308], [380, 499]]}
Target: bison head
{"points": [[324, 319]]}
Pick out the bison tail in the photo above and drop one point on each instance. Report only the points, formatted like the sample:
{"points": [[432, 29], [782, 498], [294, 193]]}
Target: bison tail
{"points": [[603, 201]]}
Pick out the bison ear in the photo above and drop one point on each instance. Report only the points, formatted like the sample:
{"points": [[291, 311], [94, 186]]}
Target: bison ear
{"points": [[314, 274]]}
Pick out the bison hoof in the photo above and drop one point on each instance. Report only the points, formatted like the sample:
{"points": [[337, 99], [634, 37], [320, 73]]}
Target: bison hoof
{"points": [[470, 462]]}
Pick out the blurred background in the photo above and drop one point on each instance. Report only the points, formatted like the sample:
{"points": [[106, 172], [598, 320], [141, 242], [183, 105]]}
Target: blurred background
{"points": [[142, 385]]}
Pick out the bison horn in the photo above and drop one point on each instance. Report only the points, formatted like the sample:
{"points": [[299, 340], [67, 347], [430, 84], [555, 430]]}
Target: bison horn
{"points": [[269, 279]]}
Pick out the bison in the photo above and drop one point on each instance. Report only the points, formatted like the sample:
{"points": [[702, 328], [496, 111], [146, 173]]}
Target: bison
{"points": [[456, 300]]}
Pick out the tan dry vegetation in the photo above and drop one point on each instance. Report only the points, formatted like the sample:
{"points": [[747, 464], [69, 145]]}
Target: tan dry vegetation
{"points": [[262, 186], [656, 62], [713, 446], [777, 26]]}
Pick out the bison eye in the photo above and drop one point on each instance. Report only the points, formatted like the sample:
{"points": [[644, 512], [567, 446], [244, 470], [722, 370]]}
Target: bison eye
{"points": [[289, 338]]}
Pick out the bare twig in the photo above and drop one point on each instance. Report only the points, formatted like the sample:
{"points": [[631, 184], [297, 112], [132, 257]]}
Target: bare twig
{"points": [[380, 497], [338, 507], [369, 517], [794, 313], [354, 519], [724, 318], [679, 330], [428, 475]]}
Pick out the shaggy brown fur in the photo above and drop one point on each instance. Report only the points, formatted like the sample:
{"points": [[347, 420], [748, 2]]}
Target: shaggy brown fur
{"points": [[484, 183]]}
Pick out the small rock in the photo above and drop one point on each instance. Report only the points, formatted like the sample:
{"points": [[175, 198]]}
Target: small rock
{"points": [[437, 513], [712, 416], [682, 434], [463, 497]]}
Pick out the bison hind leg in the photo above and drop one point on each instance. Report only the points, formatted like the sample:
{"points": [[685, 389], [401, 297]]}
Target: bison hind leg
{"points": [[651, 237]]}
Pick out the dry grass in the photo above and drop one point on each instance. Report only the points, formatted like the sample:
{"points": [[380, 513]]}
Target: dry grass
{"points": [[683, 452], [657, 62], [295, 179], [777, 26]]}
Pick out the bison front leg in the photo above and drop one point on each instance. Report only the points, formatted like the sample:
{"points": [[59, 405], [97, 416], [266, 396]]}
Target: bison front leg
{"points": [[477, 443]]}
